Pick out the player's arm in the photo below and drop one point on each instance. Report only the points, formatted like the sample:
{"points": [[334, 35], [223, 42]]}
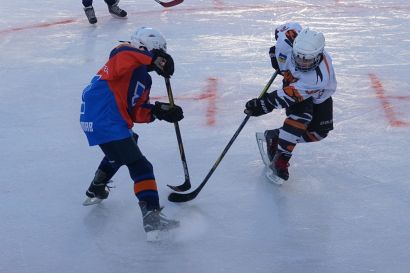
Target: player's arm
{"points": [[142, 111], [145, 112], [281, 98]]}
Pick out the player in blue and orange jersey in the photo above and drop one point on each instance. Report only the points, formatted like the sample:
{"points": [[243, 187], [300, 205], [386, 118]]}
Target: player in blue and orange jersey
{"points": [[118, 97]]}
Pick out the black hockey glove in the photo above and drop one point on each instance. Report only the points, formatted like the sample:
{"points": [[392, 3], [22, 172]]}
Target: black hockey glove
{"points": [[258, 107], [273, 59], [162, 63], [164, 111], [276, 34]]}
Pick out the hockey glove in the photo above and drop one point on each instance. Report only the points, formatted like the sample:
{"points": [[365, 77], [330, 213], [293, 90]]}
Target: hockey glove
{"points": [[164, 111], [162, 63], [258, 107]]}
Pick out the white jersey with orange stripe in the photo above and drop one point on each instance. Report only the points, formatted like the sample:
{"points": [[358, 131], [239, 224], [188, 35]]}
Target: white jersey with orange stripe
{"points": [[319, 84]]}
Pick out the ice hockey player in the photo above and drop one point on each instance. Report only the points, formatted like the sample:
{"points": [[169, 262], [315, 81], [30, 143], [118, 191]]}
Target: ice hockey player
{"points": [[117, 97], [113, 9], [308, 84]]}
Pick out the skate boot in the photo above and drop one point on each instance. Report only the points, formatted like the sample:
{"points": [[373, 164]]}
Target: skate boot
{"points": [[154, 221], [89, 12], [116, 11], [280, 164], [98, 189], [272, 140]]}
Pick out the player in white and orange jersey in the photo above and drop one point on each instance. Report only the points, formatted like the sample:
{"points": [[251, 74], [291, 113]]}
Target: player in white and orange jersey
{"points": [[308, 84]]}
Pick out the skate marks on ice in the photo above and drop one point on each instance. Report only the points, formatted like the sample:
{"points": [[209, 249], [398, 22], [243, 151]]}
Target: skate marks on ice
{"points": [[192, 225], [92, 201]]}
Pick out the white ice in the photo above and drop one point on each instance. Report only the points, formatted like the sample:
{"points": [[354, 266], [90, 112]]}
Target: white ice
{"points": [[345, 209]]}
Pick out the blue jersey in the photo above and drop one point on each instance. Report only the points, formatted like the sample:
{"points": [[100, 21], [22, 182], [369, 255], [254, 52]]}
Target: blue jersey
{"points": [[117, 96]]}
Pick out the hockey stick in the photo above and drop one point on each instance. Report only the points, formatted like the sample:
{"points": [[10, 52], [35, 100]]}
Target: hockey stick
{"points": [[184, 197], [169, 4], [187, 183]]}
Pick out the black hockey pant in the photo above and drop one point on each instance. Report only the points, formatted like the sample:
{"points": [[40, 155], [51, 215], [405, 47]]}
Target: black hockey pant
{"points": [[305, 122], [126, 152]]}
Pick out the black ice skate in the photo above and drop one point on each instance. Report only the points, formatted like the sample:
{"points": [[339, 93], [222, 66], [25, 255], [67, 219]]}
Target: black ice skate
{"points": [[89, 12], [264, 149], [98, 189], [155, 221], [280, 164], [116, 11], [272, 139]]}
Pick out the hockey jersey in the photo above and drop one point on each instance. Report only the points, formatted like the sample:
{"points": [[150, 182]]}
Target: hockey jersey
{"points": [[118, 96], [319, 83]]}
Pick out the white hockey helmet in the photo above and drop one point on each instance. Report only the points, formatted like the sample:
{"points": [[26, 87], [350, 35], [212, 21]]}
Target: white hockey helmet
{"points": [[308, 49], [149, 38]]}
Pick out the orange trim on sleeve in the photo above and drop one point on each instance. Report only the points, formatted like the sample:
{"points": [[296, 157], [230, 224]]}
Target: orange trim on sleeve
{"points": [[327, 65], [291, 35], [145, 185], [292, 92]]}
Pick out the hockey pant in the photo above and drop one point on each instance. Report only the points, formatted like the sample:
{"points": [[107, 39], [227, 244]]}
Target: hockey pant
{"points": [[126, 152], [305, 122]]}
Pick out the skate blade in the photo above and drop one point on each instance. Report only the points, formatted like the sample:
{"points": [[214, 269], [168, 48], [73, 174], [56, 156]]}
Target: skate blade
{"points": [[272, 177], [261, 141], [153, 236], [118, 17], [91, 201]]}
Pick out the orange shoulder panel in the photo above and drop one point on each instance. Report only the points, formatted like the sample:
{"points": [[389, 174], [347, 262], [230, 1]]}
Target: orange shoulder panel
{"points": [[124, 59]]}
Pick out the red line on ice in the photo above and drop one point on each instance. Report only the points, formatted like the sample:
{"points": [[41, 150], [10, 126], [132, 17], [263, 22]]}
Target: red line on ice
{"points": [[209, 94], [211, 110], [41, 25], [217, 4], [387, 106]]}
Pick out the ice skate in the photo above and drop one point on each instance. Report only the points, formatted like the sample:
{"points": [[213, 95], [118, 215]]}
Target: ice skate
{"points": [[116, 11], [89, 12], [155, 221], [279, 167], [98, 189], [272, 140], [270, 173]]}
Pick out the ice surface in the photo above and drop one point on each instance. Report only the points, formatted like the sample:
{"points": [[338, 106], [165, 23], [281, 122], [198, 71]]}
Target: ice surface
{"points": [[345, 208]]}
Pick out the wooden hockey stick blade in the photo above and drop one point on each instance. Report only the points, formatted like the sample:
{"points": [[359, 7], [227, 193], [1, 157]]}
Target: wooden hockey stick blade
{"points": [[184, 197], [169, 4]]}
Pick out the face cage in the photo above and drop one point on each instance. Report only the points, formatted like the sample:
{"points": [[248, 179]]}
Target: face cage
{"points": [[305, 65]]}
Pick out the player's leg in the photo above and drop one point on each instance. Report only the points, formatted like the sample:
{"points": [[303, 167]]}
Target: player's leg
{"points": [[127, 152], [298, 119], [322, 122]]}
